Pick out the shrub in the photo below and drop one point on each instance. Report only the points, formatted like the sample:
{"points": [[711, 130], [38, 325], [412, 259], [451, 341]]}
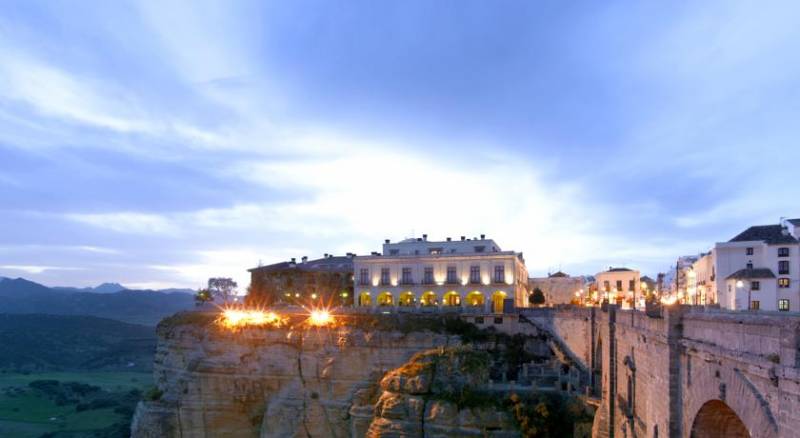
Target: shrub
{"points": [[153, 394]]}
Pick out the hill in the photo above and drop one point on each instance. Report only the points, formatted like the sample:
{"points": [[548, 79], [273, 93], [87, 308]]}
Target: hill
{"points": [[70, 343], [136, 307]]}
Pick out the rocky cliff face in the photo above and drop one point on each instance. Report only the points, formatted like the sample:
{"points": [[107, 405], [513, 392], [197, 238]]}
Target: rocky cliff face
{"points": [[271, 382], [347, 381]]}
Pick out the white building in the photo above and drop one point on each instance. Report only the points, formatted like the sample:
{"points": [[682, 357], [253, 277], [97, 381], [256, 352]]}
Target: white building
{"points": [[558, 288], [620, 286], [472, 273], [759, 268]]}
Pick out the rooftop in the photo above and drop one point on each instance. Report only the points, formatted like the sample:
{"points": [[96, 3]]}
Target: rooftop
{"points": [[328, 263], [770, 234], [795, 222], [744, 274]]}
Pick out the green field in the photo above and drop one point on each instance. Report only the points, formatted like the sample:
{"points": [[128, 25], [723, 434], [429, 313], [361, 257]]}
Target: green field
{"points": [[26, 411]]}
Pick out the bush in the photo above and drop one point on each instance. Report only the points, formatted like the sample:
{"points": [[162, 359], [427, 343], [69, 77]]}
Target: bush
{"points": [[153, 394]]}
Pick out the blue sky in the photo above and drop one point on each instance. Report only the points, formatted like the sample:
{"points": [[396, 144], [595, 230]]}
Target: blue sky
{"points": [[159, 143]]}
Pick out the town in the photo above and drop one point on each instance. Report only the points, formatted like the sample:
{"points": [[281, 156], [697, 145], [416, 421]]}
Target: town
{"points": [[758, 269]]}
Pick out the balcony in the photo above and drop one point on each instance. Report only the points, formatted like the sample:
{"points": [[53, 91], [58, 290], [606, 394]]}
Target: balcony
{"points": [[407, 282], [452, 281]]}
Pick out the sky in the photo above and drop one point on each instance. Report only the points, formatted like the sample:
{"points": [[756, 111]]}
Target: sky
{"points": [[160, 143]]}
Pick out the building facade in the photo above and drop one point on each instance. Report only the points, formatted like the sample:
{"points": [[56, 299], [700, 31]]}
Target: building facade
{"points": [[467, 273], [759, 268], [558, 288], [620, 286], [325, 281]]}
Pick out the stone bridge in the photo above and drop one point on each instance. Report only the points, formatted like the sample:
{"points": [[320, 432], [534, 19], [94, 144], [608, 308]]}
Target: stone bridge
{"points": [[688, 373]]}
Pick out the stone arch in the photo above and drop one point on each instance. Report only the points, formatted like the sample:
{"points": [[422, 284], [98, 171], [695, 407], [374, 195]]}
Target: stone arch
{"points": [[385, 299], [717, 419], [428, 298], [451, 298], [365, 299], [475, 299], [406, 299], [497, 301], [732, 388]]}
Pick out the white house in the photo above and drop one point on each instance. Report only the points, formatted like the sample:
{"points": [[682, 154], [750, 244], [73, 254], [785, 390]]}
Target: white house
{"points": [[558, 288], [759, 268], [417, 272]]}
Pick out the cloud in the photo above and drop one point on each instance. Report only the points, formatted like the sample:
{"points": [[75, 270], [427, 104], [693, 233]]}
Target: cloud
{"points": [[34, 269], [127, 222]]}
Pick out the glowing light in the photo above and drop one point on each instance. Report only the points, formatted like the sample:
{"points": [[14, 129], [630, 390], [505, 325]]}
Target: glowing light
{"points": [[740, 283], [320, 317], [235, 318], [344, 294], [670, 300], [313, 296]]}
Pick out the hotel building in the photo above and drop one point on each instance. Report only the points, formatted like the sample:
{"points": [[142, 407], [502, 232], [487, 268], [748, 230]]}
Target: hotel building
{"points": [[462, 274]]}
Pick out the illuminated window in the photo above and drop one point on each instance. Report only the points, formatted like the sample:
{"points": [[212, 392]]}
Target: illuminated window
{"points": [[434, 251], [783, 282], [632, 285], [606, 286], [755, 305], [783, 305], [619, 285]]}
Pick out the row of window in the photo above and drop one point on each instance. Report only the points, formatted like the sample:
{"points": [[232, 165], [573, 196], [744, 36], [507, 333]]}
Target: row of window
{"points": [[782, 283], [631, 285], [783, 267], [427, 277], [783, 305], [440, 250], [782, 252]]}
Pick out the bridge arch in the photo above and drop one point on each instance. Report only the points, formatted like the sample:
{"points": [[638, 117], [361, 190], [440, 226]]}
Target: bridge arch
{"points": [[717, 419]]}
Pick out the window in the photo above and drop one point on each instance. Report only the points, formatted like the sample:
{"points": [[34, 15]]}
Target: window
{"points": [[384, 276], [406, 277], [632, 285], [475, 274], [606, 286], [750, 265], [749, 251], [783, 305], [451, 275], [619, 285], [499, 274], [783, 282], [783, 252], [755, 285], [363, 276], [755, 305], [428, 275], [783, 267], [480, 248], [394, 251], [434, 251]]}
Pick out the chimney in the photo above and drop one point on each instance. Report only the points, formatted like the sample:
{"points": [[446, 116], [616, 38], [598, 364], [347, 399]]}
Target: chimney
{"points": [[425, 237], [449, 239], [304, 259], [483, 237], [294, 260], [386, 241], [463, 238]]}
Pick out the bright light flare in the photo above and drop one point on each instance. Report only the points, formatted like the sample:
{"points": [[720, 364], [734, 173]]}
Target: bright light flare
{"points": [[320, 318], [670, 300], [236, 318]]}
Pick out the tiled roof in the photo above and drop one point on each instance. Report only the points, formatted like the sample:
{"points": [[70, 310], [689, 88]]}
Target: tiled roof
{"points": [[795, 222], [558, 274], [338, 263], [618, 270], [771, 234], [751, 273]]}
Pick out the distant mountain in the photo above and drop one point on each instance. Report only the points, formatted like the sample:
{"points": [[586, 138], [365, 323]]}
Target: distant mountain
{"points": [[62, 342], [109, 288], [137, 307]]}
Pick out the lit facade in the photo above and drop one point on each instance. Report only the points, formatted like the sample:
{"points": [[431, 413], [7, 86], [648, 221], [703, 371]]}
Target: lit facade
{"points": [[558, 288], [621, 286], [457, 274]]}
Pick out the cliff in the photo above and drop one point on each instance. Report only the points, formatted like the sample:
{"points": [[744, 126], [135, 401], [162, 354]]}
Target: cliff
{"points": [[376, 378]]}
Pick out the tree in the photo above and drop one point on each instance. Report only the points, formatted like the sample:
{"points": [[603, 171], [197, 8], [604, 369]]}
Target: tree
{"points": [[223, 289], [203, 296], [537, 297]]}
